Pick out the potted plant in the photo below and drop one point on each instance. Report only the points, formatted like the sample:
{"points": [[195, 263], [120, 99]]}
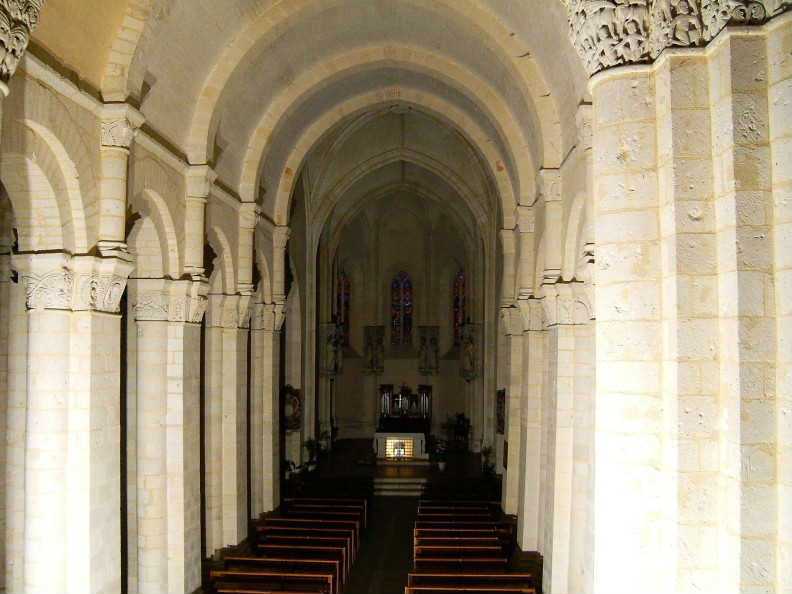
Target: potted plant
{"points": [[437, 452], [314, 448]]}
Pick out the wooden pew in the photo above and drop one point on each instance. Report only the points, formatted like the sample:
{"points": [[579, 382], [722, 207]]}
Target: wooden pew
{"points": [[461, 564], [228, 581], [274, 566], [310, 550], [457, 551], [353, 527], [331, 502], [469, 590], [328, 541], [468, 578]]}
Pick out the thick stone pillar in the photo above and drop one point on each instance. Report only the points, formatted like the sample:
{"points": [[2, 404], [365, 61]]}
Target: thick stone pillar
{"points": [[629, 407], [199, 180], [167, 316], [531, 425], [226, 421], [559, 390], [72, 481], [5, 321], [779, 40], [266, 326], [743, 207], [514, 387]]}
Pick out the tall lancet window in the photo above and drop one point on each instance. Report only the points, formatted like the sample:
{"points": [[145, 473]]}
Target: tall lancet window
{"points": [[459, 305], [343, 299], [401, 309]]}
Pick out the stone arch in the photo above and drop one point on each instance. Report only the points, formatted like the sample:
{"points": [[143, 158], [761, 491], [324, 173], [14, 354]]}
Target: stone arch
{"points": [[265, 284], [157, 211], [122, 51], [268, 24], [332, 198], [416, 59], [435, 106], [225, 279]]}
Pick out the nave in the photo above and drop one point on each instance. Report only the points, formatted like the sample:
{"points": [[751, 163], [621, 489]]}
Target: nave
{"points": [[336, 537]]}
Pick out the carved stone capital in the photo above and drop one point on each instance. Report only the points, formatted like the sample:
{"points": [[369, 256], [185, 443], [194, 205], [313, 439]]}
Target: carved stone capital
{"points": [[566, 304], [611, 33], [18, 19], [120, 123], [167, 300], [79, 283], [267, 317], [512, 321], [280, 237]]}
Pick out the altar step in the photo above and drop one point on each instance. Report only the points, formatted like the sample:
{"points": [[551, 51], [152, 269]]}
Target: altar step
{"points": [[398, 487]]}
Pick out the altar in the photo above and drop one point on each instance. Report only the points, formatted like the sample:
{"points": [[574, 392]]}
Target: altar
{"points": [[405, 423]]}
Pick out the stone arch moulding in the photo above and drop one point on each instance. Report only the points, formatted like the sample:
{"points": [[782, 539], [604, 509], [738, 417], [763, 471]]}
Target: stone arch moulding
{"points": [[333, 197], [521, 161], [574, 232], [225, 256], [265, 284], [36, 143], [156, 208], [269, 24], [435, 106]]}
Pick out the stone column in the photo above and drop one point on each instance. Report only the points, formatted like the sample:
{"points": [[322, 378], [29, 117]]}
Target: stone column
{"points": [[559, 308], [226, 421], [629, 456], [72, 480], [779, 41], [199, 181], [530, 425], [5, 321], [514, 389], [266, 326], [167, 314], [743, 221], [119, 123]]}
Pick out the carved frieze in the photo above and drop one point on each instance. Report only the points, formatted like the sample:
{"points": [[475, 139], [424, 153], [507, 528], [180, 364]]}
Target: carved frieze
{"points": [[164, 300], [18, 18], [608, 33]]}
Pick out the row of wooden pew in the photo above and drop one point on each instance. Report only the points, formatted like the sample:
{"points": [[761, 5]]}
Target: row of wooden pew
{"points": [[309, 547], [463, 546]]}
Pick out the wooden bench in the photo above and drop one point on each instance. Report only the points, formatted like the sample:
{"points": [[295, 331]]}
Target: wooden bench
{"points": [[468, 590], [451, 564], [353, 527], [237, 581], [338, 502], [469, 578], [287, 566], [306, 551], [457, 551], [322, 541]]}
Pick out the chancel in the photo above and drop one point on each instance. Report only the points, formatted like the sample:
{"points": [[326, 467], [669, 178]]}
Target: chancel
{"points": [[405, 423], [396, 296]]}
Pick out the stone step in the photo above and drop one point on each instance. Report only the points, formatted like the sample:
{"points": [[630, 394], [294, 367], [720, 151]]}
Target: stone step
{"points": [[399, 487]]}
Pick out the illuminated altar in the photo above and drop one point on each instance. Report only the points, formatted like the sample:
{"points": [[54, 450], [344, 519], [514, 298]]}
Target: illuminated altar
{"points": [[404, 424]]}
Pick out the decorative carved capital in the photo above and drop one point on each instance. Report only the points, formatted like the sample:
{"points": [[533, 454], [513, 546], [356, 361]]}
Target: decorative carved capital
{"points": [[532, 313], [18, 19], [566, 304], [79, 283], [280, 237], [166, 300], [268, 317], [120, 123], [610, 33], [512, 321]]}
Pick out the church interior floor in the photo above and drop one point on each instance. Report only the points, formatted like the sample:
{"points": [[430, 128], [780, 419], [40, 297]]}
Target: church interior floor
{"points": [[386, 549]]}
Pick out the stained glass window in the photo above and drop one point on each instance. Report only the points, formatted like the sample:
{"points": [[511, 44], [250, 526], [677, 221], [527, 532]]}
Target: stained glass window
{"points": [[459, 305], [343, 299], [401, 309]]}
